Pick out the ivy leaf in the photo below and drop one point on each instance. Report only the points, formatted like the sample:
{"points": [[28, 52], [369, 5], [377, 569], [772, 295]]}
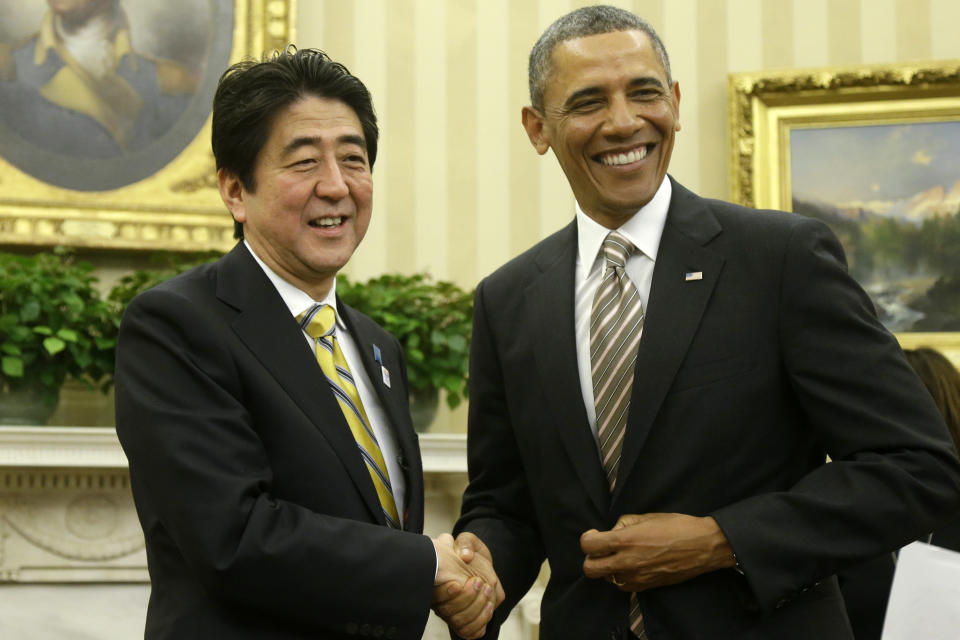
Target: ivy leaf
{"points": [[42, 330], [30, 311], [11, 349], [74, 303], [12, 366], [54, 345], [457, 343], [67, 334]]}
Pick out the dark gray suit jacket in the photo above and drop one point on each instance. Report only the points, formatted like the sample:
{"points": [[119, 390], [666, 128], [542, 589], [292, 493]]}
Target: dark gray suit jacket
{"points": [[260, 518], [745, 381]]}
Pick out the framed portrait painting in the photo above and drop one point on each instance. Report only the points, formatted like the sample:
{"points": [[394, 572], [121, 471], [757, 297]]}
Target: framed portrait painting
{"points": [[105, 117], [874, 152]]}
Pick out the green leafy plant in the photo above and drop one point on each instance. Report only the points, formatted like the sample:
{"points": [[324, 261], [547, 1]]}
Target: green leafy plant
{"points": [[432, 320], [53, 324], [165, 266]]}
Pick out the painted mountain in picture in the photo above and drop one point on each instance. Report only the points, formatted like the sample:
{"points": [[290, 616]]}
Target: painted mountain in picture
{"points": [[891, 193]]}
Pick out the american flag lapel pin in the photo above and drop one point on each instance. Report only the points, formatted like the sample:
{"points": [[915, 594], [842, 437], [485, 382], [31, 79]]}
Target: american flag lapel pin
{"points": [[693, 275]]}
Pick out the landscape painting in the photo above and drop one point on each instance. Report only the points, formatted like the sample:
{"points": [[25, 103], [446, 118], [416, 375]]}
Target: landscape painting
{"points": [[891, 193]]}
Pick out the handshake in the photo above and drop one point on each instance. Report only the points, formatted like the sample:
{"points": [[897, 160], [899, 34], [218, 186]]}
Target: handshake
{"points": [[466, 589]]}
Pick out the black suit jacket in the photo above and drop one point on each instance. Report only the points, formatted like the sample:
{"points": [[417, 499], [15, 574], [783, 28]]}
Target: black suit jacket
{"points": [[745, 380], [260, 518]]}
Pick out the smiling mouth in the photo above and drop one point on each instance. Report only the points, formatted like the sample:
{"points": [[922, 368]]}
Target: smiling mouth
{"points": [[327, 223], [628, 157]]}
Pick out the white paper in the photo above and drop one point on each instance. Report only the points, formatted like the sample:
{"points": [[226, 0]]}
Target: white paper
{"points": [[925, 596]]}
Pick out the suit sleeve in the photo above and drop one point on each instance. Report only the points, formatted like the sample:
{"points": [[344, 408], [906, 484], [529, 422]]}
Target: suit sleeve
{"points": [[497, 506], [893, 467], [203, 482]]}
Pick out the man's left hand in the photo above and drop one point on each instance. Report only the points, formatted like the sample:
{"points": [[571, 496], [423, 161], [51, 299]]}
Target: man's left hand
{"points": [[655, 549]]}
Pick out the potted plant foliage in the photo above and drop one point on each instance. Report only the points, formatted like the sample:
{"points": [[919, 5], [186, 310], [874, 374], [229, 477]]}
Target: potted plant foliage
{"points": [[433, 321], [165, 266], [53, 326]]}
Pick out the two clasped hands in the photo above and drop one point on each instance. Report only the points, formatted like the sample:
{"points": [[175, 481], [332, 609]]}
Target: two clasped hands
{"points": [[638, 553]]}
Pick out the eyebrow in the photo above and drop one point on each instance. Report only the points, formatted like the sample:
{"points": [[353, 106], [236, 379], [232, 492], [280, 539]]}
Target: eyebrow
{"points": [[309, 141], [642, 81]]}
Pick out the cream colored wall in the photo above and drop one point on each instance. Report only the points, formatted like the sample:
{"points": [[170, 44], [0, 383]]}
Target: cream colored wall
{"points": [[459, 190]]}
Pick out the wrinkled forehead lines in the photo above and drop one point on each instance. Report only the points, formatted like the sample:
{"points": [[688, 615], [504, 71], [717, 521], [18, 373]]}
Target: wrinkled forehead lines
{"points": [[582, 64]]}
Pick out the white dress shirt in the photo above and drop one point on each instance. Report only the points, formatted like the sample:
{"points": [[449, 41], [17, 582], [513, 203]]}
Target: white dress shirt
{"points": [[297, 302], [643, 229]]}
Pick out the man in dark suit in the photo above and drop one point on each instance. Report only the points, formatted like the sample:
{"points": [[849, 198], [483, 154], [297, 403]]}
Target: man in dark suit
{"points": [[275, 470], [655, 388]]}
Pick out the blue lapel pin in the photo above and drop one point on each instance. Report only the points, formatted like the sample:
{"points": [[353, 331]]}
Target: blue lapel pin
{"points": [[383, 370]]}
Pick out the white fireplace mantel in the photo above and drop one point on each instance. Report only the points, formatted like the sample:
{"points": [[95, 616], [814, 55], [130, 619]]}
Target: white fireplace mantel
{"points": [[98, 448]]}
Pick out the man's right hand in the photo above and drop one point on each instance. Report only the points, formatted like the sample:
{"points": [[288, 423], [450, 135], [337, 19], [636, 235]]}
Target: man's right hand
{"points": [[461, 596]]}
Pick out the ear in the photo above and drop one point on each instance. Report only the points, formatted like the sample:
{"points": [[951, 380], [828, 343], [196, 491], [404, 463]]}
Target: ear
{"points": [[232, 193], [676, 105], [536, 129]]}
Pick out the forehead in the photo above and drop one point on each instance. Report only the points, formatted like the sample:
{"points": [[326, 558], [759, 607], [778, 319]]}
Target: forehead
{"points": [[316, 117], [604, 57]]}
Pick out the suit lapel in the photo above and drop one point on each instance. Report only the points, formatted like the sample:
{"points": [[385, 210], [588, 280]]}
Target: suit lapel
{"points": [[394, 404], [676, 306], [551, 305], [266, 327]]}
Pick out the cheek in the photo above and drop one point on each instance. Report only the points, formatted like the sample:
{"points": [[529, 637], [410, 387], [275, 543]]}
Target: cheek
{"points": [[361, 190], [663, 115]]}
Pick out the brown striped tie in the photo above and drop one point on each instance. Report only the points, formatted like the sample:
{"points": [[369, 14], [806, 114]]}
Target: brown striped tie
{"points": [[616, 323]]}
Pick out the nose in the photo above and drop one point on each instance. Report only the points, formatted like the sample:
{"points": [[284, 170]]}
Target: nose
{"points": [[621, 120], [330, 183]]}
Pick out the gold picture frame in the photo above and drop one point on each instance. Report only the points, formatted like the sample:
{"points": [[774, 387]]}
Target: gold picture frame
{"points": [[766, 107], [176, 207]]}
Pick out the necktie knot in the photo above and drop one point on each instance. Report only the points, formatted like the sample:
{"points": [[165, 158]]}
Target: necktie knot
{"points": [[319, 321], [616, 250]]}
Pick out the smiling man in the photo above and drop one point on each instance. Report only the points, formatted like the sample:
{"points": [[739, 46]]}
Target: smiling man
{"points": [[273, 463], [654, 389]]}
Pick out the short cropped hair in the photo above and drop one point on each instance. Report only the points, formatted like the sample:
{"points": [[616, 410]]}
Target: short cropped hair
{"points": [[251, 93], [587, 21]]}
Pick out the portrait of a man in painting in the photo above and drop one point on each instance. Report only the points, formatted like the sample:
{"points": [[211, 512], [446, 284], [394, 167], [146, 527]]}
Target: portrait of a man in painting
{"points": [[119, 85]]}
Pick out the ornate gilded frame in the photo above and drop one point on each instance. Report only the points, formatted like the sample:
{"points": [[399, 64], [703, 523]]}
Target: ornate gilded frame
{"points": [[177, 208], [765, 106]]}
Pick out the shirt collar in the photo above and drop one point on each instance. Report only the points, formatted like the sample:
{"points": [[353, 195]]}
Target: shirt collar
{"points": [[643, 229], [297, 300]]}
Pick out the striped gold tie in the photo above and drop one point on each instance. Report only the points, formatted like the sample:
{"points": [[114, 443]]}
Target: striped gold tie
{"points": [[319, 322], [616, 323]]}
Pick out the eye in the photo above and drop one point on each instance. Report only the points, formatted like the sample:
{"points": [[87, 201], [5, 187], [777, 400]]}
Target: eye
{"points": [[583, 106], [303, 162], [354, 158], [646, 93]]}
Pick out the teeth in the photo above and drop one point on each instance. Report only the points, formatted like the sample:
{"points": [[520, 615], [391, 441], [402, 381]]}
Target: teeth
{"points": [[614, 160], [328, 222]]}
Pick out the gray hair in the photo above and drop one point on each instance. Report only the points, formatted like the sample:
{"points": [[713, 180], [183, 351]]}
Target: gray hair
{"points": [[587, 21]]}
